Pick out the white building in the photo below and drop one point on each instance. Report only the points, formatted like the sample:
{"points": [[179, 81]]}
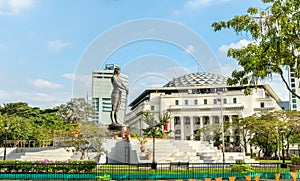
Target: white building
{"points": [[101, 94], [294, 84], [194, 100]]}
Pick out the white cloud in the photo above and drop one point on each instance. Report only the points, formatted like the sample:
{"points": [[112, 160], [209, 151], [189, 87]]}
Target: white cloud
{"points": [[12, 7], [45, 84], [195, 4], [69, 76], [57, 45], [190, 49], [39, 99], [224, 48]]}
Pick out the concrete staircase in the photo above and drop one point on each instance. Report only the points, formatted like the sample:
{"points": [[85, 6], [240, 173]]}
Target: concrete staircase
{"points": [[187, 151], [118, 151], [54, 154]]}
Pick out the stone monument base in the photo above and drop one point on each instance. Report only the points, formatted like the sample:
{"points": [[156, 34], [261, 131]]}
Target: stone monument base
{"points": [[115, 127]]}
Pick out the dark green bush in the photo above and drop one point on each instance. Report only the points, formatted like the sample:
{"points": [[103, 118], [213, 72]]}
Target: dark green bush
{"points": [[295, 160], [239, 161], [242, 168], [47, 166]]}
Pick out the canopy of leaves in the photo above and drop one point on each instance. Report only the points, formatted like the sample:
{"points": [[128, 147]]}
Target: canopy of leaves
{"points": [[155, 129], [264, 130], [276, 36], [75, 110], [28, 123]]}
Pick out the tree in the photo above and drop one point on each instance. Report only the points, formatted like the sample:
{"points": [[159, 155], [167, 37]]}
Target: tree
{"points": [[265, 133], [155, 129], [290, 127], [75, 110], [265, 130], [244, 127], [94, 135], [20, 109], [276, 45]]}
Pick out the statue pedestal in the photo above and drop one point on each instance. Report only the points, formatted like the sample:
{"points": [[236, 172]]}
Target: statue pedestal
{"points": [[115, 127]]}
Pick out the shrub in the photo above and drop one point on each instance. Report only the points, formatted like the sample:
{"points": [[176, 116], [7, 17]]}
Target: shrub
{"points": [[47, 166], [295, 160], [104, 177], [239, 161], [242, 168]]}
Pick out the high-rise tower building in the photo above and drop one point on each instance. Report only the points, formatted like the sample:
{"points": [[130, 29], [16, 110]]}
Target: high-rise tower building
{"points": [[101, 95], [294, 84]]}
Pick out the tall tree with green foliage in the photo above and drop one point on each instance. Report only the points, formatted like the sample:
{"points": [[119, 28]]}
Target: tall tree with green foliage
{"points": [[75, 110], [29, 123], [275, 31], [264, 130], [155, 128]]}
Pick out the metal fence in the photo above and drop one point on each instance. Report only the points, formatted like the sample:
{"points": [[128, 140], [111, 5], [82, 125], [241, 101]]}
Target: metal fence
{"points": [[149, 171]]}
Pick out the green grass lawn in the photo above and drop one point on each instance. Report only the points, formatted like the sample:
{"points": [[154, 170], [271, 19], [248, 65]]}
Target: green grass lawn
{"points": [[274, 161]]}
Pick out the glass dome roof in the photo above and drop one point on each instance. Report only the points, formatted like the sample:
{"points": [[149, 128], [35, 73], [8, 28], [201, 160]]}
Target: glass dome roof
{"points": [[197, 79]]}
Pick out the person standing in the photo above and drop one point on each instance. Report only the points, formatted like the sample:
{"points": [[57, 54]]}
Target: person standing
{"points": [[116, 94]]}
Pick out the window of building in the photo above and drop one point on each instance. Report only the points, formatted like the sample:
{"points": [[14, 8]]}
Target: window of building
{"points": [[293, 85], [178, 131], [234, 100], [152, 108], [262, 104], [186, 102], [206, 120], [188, 138], [292, 80], [197, 120], [187, 120], [292, 69], [177, 120], [215, 101], [195, 102], [224, 101], [292, 74], [205, 101], [217, 120], [176, 102], [293, 100], [294, 106]]}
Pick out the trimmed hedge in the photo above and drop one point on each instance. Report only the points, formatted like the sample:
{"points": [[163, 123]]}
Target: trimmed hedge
{"points": [[46, 166]]}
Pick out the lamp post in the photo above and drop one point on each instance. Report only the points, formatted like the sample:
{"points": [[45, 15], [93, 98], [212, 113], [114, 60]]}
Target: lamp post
{"points": [[283, 158], [222, 126], [6, 128]]}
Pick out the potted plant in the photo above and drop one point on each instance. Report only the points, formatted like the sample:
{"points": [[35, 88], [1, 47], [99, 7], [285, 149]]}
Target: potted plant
{"points": [[295, 166], [142, 142], [148, 153], [115, 135], [126, 135]]}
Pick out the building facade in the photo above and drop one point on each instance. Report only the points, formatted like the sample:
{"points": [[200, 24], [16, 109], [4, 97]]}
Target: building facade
{"points": [[101, 94], [196, 100], [294, 84]]}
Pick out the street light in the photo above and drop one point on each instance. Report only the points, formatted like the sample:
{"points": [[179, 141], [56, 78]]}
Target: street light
{"points": [[6, 128], [222, 126], [283, 158]]}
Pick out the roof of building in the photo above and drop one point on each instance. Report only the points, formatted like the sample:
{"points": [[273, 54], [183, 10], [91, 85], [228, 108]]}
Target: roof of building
{"points": [[197, 79], [200, 80]]}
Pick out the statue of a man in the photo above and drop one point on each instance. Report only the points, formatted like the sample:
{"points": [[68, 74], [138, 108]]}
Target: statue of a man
{"points": [[116, 94]]}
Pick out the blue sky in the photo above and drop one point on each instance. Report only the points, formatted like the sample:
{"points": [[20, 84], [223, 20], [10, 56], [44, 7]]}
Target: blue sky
{"points": [[43, 44]]}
